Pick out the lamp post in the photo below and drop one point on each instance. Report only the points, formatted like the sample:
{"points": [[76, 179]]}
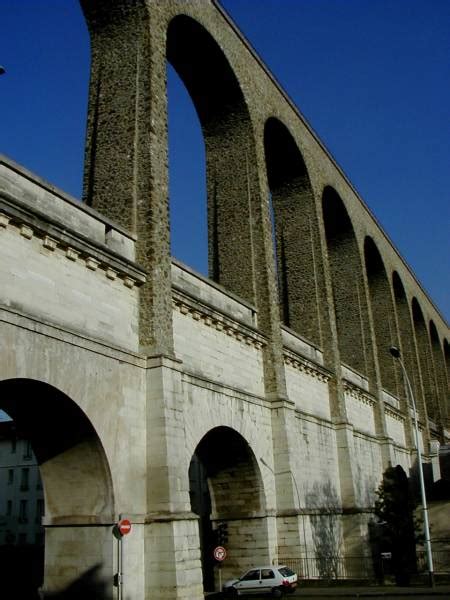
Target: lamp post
{"points": [[298, 500], [395, 352]]}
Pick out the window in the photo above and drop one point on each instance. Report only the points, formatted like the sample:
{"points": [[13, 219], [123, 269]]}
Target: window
{"points": [[9, 508], [286, 572], [13, 445], [251, 575], [23, 518], [24, 482], [28, 454], [10, 476], [39, 510], [267, 574]]}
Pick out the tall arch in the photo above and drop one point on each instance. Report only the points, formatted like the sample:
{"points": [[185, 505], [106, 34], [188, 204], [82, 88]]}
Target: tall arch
{"points": [[348, 284], [226, 488], [296, 234], [407, 342], [425, 361], [447, 357], [383, 315], [447, 371], [187, 177], [228, 135], [438, 361], [79, 500]]}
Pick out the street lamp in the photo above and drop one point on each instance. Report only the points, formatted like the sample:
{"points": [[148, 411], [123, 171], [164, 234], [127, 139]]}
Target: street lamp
{"points": [[395, 352], [298, 500]]}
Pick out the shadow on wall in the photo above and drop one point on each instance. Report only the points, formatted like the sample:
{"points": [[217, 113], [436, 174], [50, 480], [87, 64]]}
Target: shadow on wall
{"points": [[325, 526], [89, 586]]}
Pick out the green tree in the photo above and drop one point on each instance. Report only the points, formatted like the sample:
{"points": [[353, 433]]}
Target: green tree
{"points": [[395, 510]]}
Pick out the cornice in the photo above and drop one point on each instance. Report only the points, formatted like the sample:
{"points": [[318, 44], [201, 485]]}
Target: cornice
{"points": [[187, 305], [61, 242]]}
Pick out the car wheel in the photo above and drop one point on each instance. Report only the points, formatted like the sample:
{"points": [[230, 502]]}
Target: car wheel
{"points": [[231, 592], [276, 593]]}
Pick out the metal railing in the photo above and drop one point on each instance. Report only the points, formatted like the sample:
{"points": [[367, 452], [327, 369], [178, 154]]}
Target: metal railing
{"points": [[441, 561], [358, 567], [331, 567]]}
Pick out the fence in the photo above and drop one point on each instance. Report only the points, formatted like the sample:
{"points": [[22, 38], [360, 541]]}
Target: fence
{"points": [[359, 567], [441, 561], [331, 567]]}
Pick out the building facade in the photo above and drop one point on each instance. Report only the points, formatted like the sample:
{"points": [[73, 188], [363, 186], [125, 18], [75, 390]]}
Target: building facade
{"points": [[264, 396], [21, 493]]}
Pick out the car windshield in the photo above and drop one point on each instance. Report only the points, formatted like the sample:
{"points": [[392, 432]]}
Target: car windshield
{"points": [[286, 572]]}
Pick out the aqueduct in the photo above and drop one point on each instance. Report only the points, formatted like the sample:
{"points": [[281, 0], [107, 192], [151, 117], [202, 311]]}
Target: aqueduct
{"points": [[263, 396]]}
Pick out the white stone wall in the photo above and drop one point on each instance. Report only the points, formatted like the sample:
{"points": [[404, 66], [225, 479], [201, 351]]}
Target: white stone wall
{"points": [[395, 427], [308, 390], [211, 350], [300, 346], [208, 405], [56, 285], [211, 295], [45, 200], [360, 411], [107, 385], [402, 458], [368, 468], [316, 461]]}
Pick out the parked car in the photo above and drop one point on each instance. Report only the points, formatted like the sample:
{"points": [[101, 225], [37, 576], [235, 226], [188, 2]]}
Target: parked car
{"points": [[263, 580]]}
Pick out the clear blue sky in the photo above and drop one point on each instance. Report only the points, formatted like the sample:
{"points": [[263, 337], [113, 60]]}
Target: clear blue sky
{"points": [[372, 78]]}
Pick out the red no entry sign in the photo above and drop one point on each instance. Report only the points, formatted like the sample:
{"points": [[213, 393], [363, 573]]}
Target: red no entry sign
{"points": [[124, 526], [220, 553]]}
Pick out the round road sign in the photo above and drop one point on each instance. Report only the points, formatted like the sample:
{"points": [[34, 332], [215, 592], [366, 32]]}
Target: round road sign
{"points": [[124, 526], [220, 553]]}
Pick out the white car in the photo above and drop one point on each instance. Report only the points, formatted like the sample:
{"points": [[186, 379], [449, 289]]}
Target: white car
{"points": [[262, 580]]}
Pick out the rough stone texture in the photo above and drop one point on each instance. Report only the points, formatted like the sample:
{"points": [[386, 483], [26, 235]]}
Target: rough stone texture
{"points": [[281, 357]]}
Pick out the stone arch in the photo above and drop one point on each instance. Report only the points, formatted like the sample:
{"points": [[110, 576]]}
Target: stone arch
{"points": [[228, 134], [78, 491], [383, 315], [425, 360], [407, 342], [226, 486], [296, 232], [345, 267], [447, 357], [438, 361]]}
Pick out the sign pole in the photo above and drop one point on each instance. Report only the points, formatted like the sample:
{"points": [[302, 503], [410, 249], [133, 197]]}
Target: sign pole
{"points": [[220, 554], [119, 568], [123, 527]]}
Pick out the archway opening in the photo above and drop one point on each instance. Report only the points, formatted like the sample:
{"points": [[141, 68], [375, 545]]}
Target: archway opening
{"points": [[347, 280], [295, 232], [447, 357], [227, 132], [407, 342], [77, 489], [187, 178], [21, 511], [227, 493], [383, 315], [424, 353], [438, 360]]}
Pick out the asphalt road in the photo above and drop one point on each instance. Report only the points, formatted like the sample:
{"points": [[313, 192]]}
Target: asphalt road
{"points": [[368, 593]]}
